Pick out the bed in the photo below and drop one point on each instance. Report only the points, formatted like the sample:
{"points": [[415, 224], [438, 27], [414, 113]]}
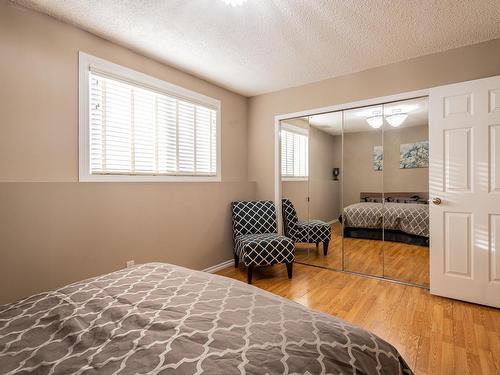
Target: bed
{"points": [[404, 217], [162, 319]]}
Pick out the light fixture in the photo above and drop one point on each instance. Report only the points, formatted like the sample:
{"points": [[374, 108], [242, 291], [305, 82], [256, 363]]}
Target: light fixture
{"points": [[396, 119], [234, 3], [375, 121]]}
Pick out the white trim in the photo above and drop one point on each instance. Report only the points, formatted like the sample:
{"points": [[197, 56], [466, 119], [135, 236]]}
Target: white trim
{"points": [[219, 266], [356, 104], [315, 111], [85, 63], [146, 178], [277, 175], [332, 221], [294, 179]]}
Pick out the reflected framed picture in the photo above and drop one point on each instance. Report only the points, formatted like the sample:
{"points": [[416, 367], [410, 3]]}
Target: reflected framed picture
{"points": [[414, 155], [378, 158]]}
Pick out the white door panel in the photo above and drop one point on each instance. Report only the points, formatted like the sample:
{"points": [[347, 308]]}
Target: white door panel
{"points": [[494, 248], [457, 159], [495, 158], [464, 130], [458, 246], [494, 100]]}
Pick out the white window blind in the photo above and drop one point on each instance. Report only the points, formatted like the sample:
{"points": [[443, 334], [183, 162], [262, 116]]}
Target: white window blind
{"points": [[137, 130], [294, 154]]}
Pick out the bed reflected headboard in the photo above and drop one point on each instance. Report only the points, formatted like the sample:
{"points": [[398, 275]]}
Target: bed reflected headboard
{"points": [[395, 197]]}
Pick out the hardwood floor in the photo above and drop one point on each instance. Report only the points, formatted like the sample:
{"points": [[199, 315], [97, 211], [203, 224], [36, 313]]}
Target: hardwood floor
{"points": [[395, 260], [435, 335]]}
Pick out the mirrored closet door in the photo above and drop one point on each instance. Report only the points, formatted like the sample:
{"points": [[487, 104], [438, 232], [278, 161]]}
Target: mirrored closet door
{"points": [[363, 191], [354, 185], [294, 180], [406, 191], [325, 160]]}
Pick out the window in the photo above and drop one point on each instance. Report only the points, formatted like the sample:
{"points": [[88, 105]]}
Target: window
{"points": [[294, 152], [137, 128]]}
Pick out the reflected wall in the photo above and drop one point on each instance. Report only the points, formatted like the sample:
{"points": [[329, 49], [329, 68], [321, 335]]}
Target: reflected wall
{"points": [[325, 186]]}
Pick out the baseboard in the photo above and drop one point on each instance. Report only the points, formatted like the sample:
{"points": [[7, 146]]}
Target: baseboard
{"points": [[219, 266], [333, 221]]}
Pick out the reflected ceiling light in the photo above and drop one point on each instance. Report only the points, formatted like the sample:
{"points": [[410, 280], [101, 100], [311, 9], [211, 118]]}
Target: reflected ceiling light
{"points": [[401, 108], [375, 121], [234, 3], [396, 119]]}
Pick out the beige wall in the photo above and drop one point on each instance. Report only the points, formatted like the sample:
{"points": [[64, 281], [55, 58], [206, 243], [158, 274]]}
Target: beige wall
{"points": [[55, 230], [359, 175], [461, 64], [325, 154], [404, 180], [297, 192]]}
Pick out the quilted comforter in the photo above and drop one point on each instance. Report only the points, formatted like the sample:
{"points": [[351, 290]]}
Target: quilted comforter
{"points": [[163, 319], [411, 218]]}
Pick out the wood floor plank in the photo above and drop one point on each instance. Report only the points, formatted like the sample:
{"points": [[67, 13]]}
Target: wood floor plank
{"points": [[435, 335]]}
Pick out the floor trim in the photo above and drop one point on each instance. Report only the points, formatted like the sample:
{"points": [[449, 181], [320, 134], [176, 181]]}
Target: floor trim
{"points": [[219, 266]]}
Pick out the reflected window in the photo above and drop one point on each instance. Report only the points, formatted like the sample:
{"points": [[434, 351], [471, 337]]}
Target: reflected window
{"points": [[294, 152]]}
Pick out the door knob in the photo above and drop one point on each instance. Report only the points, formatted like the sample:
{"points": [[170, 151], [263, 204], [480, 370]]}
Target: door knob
{"points": [[436, 201]]}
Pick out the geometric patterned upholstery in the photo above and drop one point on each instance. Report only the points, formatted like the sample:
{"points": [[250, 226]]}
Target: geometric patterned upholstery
{"points": [[256, 241], [312, 231], [253, 217], [264, 249]]}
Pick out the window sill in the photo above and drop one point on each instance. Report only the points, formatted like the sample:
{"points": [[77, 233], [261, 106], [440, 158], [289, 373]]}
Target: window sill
{"points": [[146, 178], [294, 179]]}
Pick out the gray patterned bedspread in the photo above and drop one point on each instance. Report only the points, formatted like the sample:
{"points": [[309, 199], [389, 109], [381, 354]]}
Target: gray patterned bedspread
{"points": [[163, 319], [410, 218]]}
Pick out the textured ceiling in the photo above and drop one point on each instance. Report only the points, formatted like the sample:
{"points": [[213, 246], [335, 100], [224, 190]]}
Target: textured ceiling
{"points": [[267, 45]]}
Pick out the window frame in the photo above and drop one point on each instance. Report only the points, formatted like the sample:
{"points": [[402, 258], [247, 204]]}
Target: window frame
{"points": [[85, 61], [300, 131]]}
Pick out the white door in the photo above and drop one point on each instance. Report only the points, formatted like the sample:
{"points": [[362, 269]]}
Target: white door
{"points": [[464, 134]]}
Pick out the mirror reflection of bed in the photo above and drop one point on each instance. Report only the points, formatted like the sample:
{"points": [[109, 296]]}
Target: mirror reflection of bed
{"points": [[364, 173], [403, 242]]}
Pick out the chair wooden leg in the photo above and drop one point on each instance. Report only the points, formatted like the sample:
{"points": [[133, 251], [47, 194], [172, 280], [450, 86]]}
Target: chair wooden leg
{"points": [[250, 271], [325, 247], [236, 261], [289, 269]]}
